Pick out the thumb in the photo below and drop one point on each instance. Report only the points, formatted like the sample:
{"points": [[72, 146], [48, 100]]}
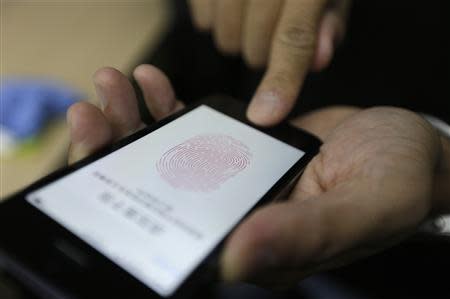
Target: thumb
{"points": [[273, 238], [284, 242]]}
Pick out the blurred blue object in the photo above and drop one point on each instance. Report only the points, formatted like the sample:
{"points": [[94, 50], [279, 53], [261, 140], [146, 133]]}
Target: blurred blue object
{"points": [[27, 104]]}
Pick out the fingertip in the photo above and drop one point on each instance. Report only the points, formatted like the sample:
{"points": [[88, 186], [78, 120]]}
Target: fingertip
{"points": [[107, 76], [269, 108], [87, 123], [106, 79], [158, 92], [77, 116], [144, 70], [118, 101], [89, 130], [150, 74]]}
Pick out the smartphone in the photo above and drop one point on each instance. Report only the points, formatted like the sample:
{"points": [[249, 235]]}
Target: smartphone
{"points": [[146, 217]]}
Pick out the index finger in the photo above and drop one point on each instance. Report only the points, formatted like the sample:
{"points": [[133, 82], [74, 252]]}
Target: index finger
{"points": [[292, 52]]}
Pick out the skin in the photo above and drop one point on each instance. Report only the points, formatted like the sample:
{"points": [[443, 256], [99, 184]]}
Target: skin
{"points": [[379, 174], [289, 37]]}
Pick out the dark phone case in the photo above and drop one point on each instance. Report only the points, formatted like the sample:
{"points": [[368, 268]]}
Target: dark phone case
{"points": [[55, 263]]}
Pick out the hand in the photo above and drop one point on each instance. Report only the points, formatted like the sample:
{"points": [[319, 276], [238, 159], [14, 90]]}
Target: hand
{"points": [[371, 185], [92, 128], [291, 36]]}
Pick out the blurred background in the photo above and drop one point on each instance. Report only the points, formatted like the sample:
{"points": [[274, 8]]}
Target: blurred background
{"points": [[50, 49], [395, 53]]}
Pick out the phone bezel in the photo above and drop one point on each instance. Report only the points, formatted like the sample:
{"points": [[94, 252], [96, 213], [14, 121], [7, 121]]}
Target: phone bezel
{"points": [[46, 229]]}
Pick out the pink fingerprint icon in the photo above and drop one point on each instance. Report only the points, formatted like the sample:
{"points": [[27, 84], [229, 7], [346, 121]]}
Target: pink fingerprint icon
{"points": [[202, 163]]}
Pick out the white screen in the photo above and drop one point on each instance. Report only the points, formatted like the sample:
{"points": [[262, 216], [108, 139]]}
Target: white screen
{"points": [[158, 206]]}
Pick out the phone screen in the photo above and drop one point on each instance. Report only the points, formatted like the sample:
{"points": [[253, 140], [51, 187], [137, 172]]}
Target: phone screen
{"points": [[159, 205]]}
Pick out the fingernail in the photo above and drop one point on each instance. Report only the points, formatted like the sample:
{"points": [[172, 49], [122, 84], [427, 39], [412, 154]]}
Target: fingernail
{"points": [[264, 108]]}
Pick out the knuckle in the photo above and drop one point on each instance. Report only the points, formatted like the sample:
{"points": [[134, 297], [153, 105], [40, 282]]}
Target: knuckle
{"points": [[299, 38]]}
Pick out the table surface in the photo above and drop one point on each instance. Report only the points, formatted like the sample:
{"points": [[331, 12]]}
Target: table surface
{"points": [[68, 40]]}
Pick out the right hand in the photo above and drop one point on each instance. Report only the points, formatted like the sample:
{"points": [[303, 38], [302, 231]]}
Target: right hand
{"points": [[289, 36]]}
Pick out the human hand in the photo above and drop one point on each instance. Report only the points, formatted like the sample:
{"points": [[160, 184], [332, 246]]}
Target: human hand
{"points": [[290, 36], [378, 175], [92, 128], [371, 185]]}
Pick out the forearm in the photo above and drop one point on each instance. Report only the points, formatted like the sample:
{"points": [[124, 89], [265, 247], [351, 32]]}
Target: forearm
{"points": [[441, 192]]}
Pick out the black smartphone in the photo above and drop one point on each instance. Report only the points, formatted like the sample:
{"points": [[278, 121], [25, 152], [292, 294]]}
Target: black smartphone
{"points": [[145, 218]]}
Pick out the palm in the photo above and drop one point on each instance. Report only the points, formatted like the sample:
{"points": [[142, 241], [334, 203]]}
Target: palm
{"points": [[381, 145]]}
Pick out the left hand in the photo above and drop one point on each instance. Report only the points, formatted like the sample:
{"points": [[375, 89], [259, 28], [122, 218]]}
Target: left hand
{"points": [[371, 185]]}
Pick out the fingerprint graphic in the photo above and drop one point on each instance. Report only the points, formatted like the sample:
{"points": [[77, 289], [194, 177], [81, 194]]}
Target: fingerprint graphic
{"points": [[202, 163]]}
